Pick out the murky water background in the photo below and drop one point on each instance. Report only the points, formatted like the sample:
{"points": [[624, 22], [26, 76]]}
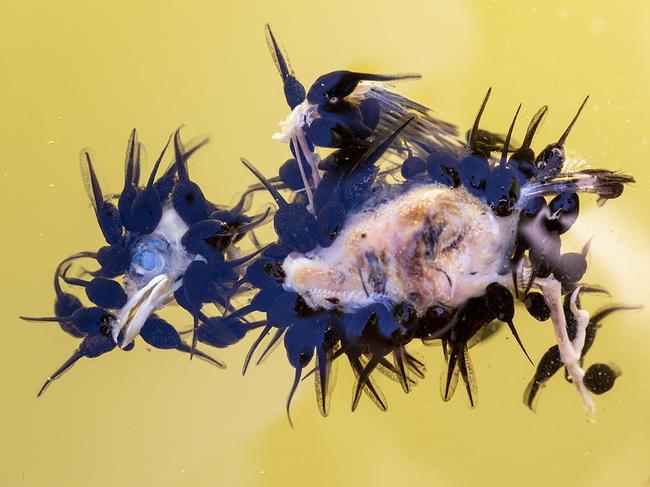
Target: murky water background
{"points": [[74, 74]]}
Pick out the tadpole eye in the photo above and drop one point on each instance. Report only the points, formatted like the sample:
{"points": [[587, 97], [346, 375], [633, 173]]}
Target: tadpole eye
{"points": [[105, 325], [304, 358]]}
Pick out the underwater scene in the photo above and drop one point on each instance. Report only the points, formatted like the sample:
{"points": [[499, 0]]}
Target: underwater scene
{"points": [[298, 243]]}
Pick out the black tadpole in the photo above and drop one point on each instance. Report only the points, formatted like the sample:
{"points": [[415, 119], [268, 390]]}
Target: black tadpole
{"points": [[400, 368], [160, 334], [281, 202], [506, 143], [374, 152], [363, 380], [91, 346], [294, 91], [271, 346], [600, 378], [536, 306], [369, 386], [165, 183], [357, 183], [473, 166], [88, 321], [450, 381], [106, 212], [566, 133], [102, 291], [292, 391], [251, 351], [500, 302], [467, 373], [550, 160], [323, 365], [131, 176], [502, 185], [187, 197], [548, 366], [294, 224], [198, 289], [146, 211], [525, 153], [66, 303], [473, 135]]}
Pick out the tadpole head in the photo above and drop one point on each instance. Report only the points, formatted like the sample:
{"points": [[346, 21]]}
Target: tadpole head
{"points": [[296, 227], [564, 209], [147, 211], [599, 378], [187, 197], [333, 87], [294, 92], [549, 162]]}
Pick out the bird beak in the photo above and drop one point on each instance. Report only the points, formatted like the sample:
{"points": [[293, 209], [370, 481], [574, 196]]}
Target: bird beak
{"points": [[130, 319]]}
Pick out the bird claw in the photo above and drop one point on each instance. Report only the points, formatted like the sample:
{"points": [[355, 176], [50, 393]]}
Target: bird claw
{"points": [[570, 351]]}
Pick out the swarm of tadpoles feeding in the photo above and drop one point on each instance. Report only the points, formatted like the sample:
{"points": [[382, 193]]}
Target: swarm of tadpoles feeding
{"points": [[401, 232]]}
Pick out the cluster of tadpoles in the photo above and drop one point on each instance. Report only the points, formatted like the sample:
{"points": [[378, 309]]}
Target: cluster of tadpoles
{"points": [[165, 242], [168, 243]]}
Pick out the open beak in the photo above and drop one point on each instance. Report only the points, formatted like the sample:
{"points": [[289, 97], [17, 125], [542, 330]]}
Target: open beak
{"points": [[130, 319]]}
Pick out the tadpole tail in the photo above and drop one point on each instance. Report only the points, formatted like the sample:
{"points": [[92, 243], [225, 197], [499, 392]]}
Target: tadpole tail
{"points": [[294, 387], [74, 358]]}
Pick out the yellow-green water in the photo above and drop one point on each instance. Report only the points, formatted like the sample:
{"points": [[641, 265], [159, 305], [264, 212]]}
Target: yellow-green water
{"points": [[75, 74]]}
